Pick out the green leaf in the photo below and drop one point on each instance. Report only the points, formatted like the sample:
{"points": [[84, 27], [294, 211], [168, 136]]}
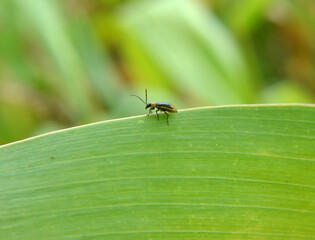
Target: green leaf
{"points": [[50, 28], [237, 172], [202, 55]]}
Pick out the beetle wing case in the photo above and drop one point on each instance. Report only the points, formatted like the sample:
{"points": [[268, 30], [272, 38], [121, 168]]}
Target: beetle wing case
{"points": [[166, 107]]}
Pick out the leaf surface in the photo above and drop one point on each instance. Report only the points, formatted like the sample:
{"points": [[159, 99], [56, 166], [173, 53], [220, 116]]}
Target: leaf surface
{"points": [[235, 172]]}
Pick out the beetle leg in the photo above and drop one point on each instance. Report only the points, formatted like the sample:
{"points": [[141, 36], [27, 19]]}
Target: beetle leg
{"points": [[166, 117], [150, 111], [157, 115]]}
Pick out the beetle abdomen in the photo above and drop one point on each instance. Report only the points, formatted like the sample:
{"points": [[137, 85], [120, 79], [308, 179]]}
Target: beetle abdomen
{"points": [[166, 107]]}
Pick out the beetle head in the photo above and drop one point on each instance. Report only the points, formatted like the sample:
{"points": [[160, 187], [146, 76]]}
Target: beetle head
{"points": [[148, 105]]}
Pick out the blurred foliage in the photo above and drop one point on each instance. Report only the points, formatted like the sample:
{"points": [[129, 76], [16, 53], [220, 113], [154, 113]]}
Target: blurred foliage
{"points": [[64, 63]]}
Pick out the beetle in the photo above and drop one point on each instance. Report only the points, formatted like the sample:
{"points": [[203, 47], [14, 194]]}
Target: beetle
{"points": [[160, 106]]}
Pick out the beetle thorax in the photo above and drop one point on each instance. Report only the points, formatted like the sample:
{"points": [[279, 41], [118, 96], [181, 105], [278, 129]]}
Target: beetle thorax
{"points": [[150, 105]]}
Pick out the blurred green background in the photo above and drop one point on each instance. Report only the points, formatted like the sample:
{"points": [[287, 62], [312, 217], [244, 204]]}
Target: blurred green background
{"points": [[71, 62]]}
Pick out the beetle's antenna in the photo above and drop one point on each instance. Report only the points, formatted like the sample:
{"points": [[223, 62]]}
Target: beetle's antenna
{"points": [[146, 97], [138, 97]]}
